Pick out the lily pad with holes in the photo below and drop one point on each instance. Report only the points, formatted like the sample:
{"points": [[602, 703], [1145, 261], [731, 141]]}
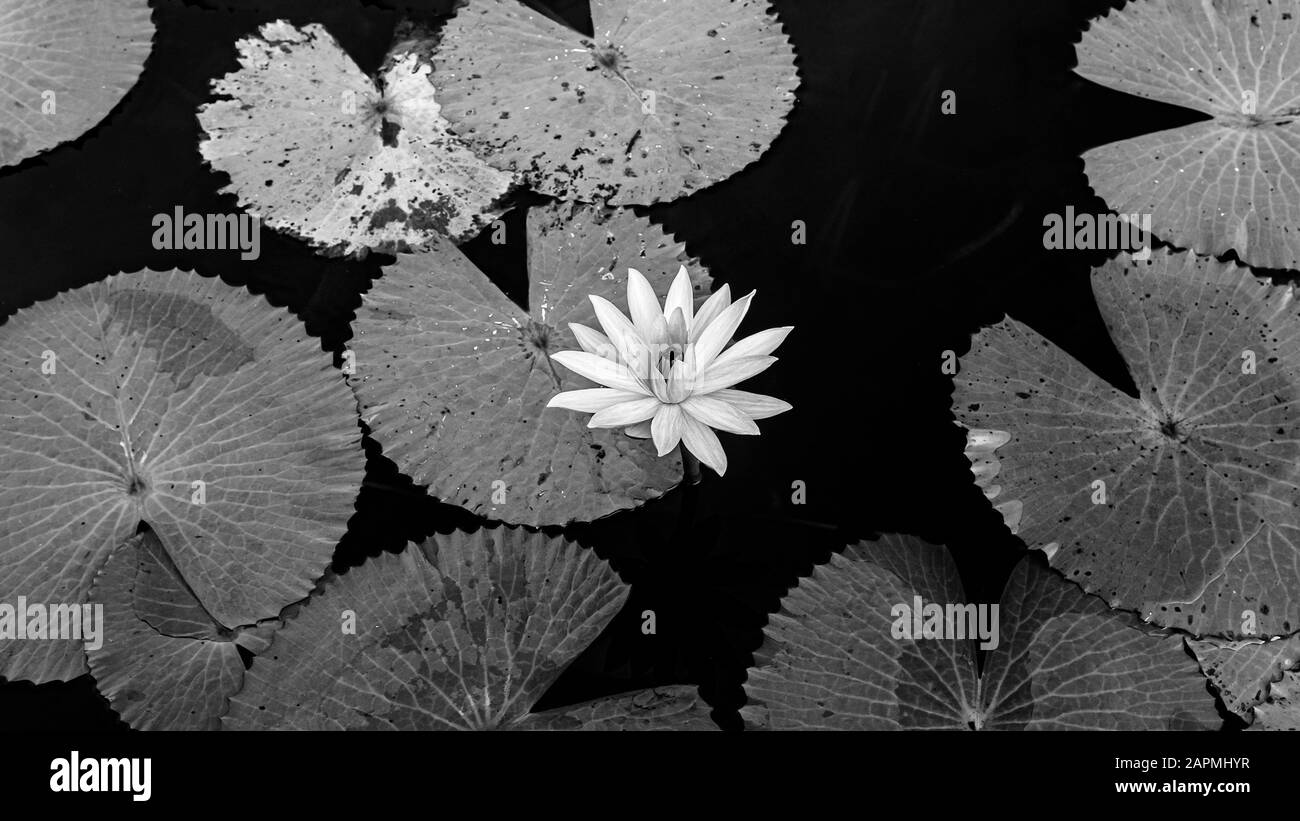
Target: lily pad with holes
{"points": [[833, 657], [1243, 671], [164, 664], [453, 378], [1226, 183], [1183, 502], [316, 148], [667, 97], [179, 401], [460, 632], [64, 64], [1281, 710]]}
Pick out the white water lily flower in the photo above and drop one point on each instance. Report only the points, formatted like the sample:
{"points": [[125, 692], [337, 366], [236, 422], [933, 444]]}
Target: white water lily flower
{"points": [[665, 370]]}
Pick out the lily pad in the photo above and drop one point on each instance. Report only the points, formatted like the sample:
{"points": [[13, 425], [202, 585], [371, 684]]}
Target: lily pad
{"points": [[179, 401], [453, 378], [1062, 660], [1183, 502], [316, 148], [1281, 711], [64, 64], [460, 632], [678, 707], [1242, 671], [165, 664], [666, 99], [1226, 183]]}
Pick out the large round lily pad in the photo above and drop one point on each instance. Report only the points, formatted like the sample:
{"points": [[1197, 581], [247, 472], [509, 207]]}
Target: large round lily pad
{"points": [[461, 632], [1226, 183], [176, 400], [833, 658], [454, 378], [1182, 503], [668, 97], [64, 64], [317, 148]]}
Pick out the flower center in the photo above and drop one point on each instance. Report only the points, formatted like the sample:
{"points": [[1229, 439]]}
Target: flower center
{"points": [[669, 356]]}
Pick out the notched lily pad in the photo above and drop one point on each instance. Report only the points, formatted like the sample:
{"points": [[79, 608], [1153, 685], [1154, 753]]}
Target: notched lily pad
{"points": [[176, 400], [461, 632], [316, 148], [1243, 671], [1183, 503], [833, 657], [1226, 183], [165, 664], [64, 65], [666, 99], [453, 378], [1281, 711]]}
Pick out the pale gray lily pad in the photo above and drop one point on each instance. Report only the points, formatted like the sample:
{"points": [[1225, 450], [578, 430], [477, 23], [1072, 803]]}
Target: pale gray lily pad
{"points": [[669, 97], [1182, 503], [461, 632], [1242, 671], [1281, 711], [1223, 184], [453, 377], [165, 664], [183, 402], [314, 147], [64, 65], [1063, 661]]}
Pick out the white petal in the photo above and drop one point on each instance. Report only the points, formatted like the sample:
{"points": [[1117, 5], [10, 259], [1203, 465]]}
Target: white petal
{"points": [[593, 341], [677, 326], [681, 295], [622, 333], [718, 414], [611, 319], [723, 375], [681, 381], [626, 413], [753, 405], [658, 384], [601, 371], [667, 428], [720, 330], [641, 430], [590, 400], [642, 302], [658, 335], [709, 311], [759, 344], [703, 442]]}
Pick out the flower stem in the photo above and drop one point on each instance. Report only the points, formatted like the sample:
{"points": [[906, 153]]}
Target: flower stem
{"points": [[690, 466]]}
